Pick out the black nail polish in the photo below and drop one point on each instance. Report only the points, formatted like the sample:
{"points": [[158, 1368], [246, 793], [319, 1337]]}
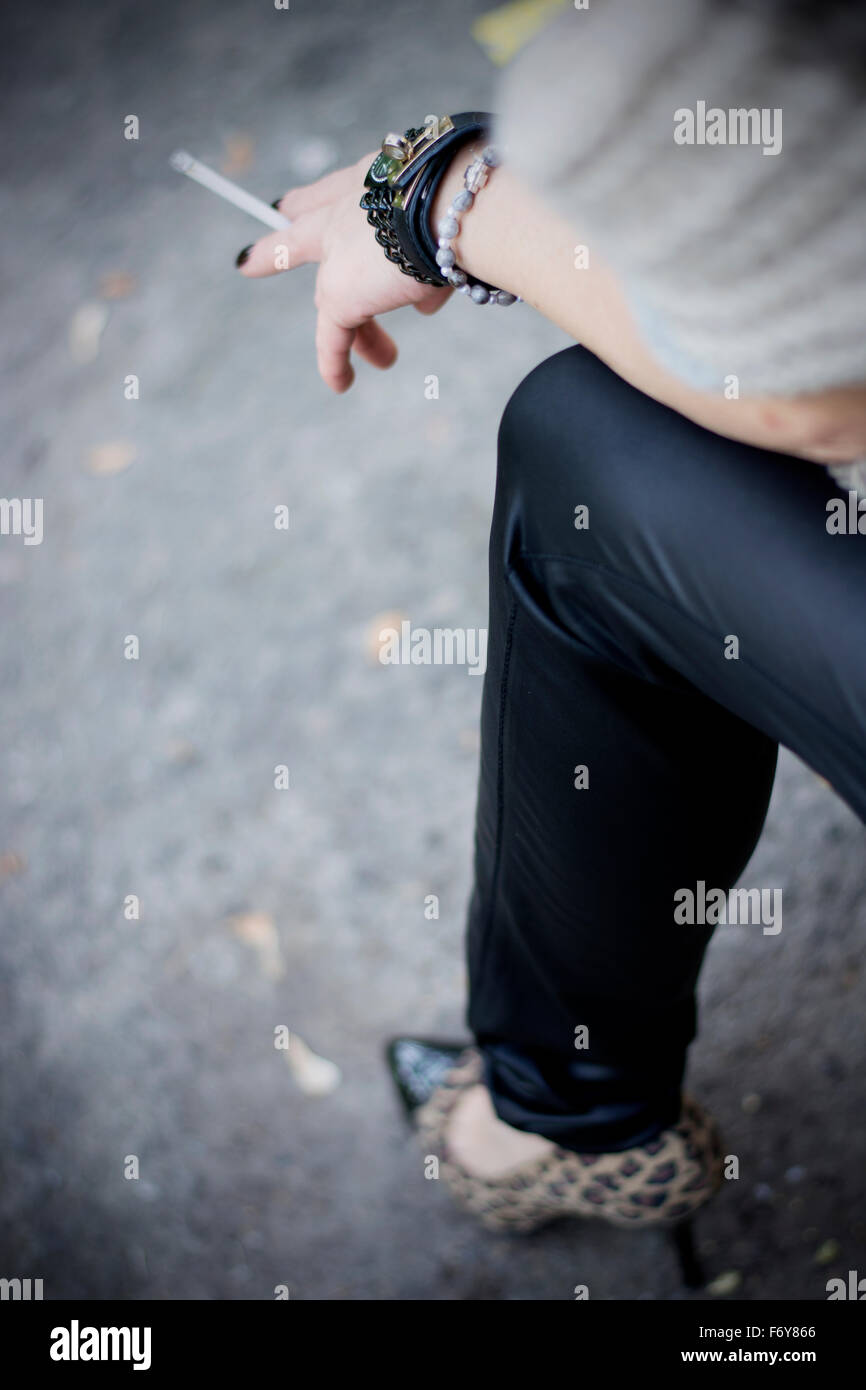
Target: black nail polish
{"points": [[243, 256]]}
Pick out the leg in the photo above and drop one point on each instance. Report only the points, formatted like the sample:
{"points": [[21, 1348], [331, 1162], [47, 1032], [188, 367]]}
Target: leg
{"points": [[607, 649]]}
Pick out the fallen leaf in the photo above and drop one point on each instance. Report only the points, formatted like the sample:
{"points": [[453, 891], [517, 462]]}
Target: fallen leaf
{"points": [[257, 930], [117, 284], [503, 31], [113, 457], [238, 156], [85, 331], [183, 752], [372, 641], [11, 864], [315, 1075], [828, 1252]]}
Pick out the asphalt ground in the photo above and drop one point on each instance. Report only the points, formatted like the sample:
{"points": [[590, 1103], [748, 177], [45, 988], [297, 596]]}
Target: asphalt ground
{"points": [[153, 1038]]}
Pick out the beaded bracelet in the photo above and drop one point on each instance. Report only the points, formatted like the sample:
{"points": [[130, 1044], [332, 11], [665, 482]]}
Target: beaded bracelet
{"points": [[474, 179]]}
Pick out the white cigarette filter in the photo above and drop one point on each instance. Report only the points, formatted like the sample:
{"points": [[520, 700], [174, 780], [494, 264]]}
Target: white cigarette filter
{"points": [[184, 163]]}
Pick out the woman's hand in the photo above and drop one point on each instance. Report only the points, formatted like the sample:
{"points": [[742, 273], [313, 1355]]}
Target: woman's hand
{"points": [[355, 281], [515, 240]]}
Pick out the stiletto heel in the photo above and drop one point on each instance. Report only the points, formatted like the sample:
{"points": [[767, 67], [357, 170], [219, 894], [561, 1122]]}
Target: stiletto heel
{"points": [[658, 1184], [691, 1269]]}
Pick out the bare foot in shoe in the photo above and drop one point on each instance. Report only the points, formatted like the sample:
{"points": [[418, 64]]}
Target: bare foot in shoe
{"points": [[482, 1144]]}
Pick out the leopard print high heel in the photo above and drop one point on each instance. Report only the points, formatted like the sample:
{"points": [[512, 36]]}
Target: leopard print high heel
{"points": [[661, 1183]]}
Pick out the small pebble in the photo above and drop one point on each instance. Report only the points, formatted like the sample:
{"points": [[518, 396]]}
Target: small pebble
{"points": [[763, 1192], [751, 1103], [726, 1283], [828, 1252], [795, 1174]]}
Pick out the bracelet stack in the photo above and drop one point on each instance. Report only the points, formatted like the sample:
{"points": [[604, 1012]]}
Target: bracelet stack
{"points": [[400, 190], [476, 176]]}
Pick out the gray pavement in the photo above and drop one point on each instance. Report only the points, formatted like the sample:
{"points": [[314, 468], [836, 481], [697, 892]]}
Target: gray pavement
{"points": [[154, 1038]]}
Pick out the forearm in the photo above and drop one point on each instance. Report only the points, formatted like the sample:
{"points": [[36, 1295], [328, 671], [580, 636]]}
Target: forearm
{"points": [[513, 239]]}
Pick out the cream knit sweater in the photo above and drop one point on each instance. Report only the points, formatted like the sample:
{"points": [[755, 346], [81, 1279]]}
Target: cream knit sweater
{"points": [[724, 181]]}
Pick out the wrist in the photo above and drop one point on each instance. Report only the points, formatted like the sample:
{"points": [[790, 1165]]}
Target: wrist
{"points": [[417, 191], [478, 247], [452, 183], [401, 184]]}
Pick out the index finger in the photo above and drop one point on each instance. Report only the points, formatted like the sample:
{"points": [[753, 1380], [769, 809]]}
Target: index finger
{"points": [[291, 246]]}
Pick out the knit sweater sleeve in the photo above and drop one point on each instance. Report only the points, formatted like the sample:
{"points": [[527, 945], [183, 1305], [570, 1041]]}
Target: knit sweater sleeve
{"points": [[725, 183]]}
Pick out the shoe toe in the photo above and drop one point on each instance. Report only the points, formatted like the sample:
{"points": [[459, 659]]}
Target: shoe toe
{"points": [[418, 1066]]}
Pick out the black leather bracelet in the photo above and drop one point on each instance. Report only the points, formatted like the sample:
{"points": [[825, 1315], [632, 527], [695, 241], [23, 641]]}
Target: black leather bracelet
{"points": [[401, 184], [412, 222], [424, 201], [411, 227]]}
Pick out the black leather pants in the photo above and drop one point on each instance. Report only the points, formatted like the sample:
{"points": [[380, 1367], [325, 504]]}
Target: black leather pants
{"points": [[610, 651]]}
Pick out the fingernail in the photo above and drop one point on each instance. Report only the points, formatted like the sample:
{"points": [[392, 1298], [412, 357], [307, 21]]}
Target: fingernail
{"points": [[276, 202], [243, 256]]}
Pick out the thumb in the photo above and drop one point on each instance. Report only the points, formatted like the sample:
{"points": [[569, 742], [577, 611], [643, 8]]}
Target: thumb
{"points": [[433, 303]]}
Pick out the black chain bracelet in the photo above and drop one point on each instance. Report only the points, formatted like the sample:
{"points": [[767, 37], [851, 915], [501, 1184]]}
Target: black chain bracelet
{"points": [[401, 184]]}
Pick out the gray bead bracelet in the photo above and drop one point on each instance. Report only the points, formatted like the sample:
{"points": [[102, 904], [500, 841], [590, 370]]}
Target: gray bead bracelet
{"points": [[474, 179]]}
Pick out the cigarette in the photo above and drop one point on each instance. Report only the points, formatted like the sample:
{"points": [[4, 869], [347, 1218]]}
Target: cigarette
{"points": [[224, 188]]}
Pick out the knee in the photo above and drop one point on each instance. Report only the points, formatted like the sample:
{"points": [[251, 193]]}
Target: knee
{"points": [[543, 423], [572, 449], [574, 435]]}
